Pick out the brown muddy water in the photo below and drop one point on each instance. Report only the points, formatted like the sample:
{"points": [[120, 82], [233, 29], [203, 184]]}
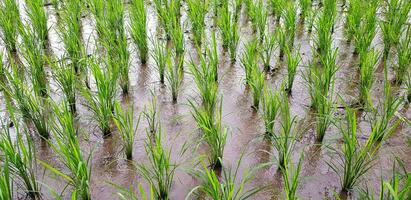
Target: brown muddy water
{"points": [[246, 128]]}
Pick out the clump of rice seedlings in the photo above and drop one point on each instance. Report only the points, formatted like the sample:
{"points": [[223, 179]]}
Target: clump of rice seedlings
{"points": [[365, 33], [9, 24], [368, 65], [196, 12], [150, 113], [6, 183], [124, 122], [404, 58], [38, 20], [268, 47], [270, 108], [291, 179], [277, 7], [258, 17], [69, 28], [101, 102], [354, 160], [67, 147], [130, 193], [237, 9], [353, 19], [293, 60], [398, 186], [257, 83], [323, 119], [138, 28], [284, 141], [395, 14], [65, 77], [228, 28], [97, 8], [159, 173], [289, 15], [305, 9], [249, 59], [160, 55], [212, 55], [177, 38], [174, 75], [324, 27], [121, 61], [281, 40], [19, 153], [214, 134], [226, 187]]}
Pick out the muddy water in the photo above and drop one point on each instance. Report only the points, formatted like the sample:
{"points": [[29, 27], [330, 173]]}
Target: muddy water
{"points": [[318, 181]]}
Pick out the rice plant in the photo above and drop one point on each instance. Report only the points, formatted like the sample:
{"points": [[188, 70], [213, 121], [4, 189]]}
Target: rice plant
{"points": [[257, 83], [226, 187], [196, 12], [324, 27], [268, 46], [124, 122], [293, 60], [368, 64], [228, 28], [150, 112], [65, 77], [121, 61], [9, 24], [177, 38], [6, 183], [291, 179], [277, 7], [305, 9], [214, 134], [20, 155], [174, 76], [289, 15], [281, 40], [258, 17], [101, 102], [38, 20], [404, 58], [130, 194], [249, 59], [395, 13], [138, 28], [159, 173], [212, 55], [324, 116], [366, 31], [160, 55], [270, 109], [67, 147], [353, 19]]}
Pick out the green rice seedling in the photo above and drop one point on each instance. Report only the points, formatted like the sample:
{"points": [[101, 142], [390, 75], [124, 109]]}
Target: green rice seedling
{"points": [[97, 8], [270, 109], [365, 33], [284, 141], [64, 75], [160, 54], [395, 14], [20, 155], [214, 134], [9, 24], [67, 147], [291, 179], [249, 59], [138, 28], [324, 119], [196, 12], [124, 122], [368, 65], [289, 15], [38, 20], [130, 193], [281, 40], [228, 28], [101, 103], [404, 58], [177, 38], [237, 9], [69, 28], [234, 39], [268, 47], [257, 83], [398, 186], [305, 9], [226, 187], [150, 113], [174, 76], [324, 26], [258, 17], [277, 7], [159, 173], [293, 60], [354, 160], [213, 55], [6, 183], [353, 19], [163, 14]]}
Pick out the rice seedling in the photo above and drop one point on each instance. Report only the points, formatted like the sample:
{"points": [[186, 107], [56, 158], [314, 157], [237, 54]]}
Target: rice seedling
{"points": [[226, 187], [19, 152], [160, 55], [174, 76], [214, 134], [395, 13], [213, 55], [159, 173], [38, 20], [124, 122], [249, 59], [281, 40], [291, 179], [130, 193], [177, 38], [324, 116], [354, 160], [277, 8], [237, 9], [365, 33], [67, 147], [64, 75], [404, 58], [305, 9], [293, 60], [138, 28], [268, 46], [289, 15], [258, 17], [150, 113], [270, 109], [353, 19], [324, 27], [228, 28], [368, 64], [284, 141], [101, 102], [9, 24], [196, 12], [69, 29], [257, 83], [6, 183], [399, 185]]}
